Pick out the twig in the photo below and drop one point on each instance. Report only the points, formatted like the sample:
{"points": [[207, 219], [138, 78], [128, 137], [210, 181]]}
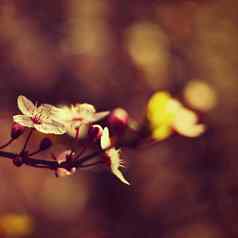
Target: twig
{"points": [[6, 144], [27, 159], [27, 140]]}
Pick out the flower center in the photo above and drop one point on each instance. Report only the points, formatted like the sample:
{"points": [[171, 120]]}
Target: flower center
{"points": [[36, 119]]}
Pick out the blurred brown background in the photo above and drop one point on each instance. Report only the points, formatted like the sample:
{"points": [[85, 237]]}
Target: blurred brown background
{"points": [[116, 53]]}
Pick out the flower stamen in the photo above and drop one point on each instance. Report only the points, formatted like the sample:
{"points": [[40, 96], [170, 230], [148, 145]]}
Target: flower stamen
{"points": [[36, 119]]}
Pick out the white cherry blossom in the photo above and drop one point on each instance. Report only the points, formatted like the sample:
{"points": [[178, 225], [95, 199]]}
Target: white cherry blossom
{"points": [[77, 118], [39, 118]]}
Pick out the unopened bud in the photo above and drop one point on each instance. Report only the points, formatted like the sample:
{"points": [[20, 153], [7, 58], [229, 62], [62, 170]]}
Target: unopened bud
{"points": [[45, 143], [17, 161], [118, 119], [65, 156], [95, 132], [17, 130]]}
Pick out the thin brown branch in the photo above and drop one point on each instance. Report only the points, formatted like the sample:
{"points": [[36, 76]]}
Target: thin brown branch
{"points": [[6, 144], [27, 140]]}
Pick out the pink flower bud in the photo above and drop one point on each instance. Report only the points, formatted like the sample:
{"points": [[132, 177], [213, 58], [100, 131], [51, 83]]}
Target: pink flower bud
{"points": [[45, 143], [17, 161], [17, 130], [118, 119], [62, 172], [64, 156], [95, 132]]}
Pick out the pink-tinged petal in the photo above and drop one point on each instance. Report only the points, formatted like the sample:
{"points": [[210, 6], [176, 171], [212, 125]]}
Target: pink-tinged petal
{"points": [[105, 139], [17, 130], [62, 157], [50, 128], [118, 118], [99, 116], [62, 172], [25, 105], [23, 120]]}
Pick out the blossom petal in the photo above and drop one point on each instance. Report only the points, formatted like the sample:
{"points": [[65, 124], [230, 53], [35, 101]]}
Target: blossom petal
{"points": [[115, 163], [63, 114], [85, 107], [47, 110], [23, 120], [99, 116], [120, 176], [105, 139], [25, 105], [50, 128], [186, 123], [84, 111]]}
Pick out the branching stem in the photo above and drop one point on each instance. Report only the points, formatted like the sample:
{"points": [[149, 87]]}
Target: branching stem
{"points": [[81, 161]]}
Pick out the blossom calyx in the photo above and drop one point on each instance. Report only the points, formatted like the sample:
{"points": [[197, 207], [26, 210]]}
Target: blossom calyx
{"points": [[17, 130], [118, 119]]}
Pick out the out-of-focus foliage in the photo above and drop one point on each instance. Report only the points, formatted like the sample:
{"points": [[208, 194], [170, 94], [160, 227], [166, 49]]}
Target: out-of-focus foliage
{"points": [[117, 53], [147, 45], [15, 225], [200, 95]]}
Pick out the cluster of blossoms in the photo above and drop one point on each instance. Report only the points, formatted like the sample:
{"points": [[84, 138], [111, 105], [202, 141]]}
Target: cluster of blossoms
{"points": [[103, 132], [77, 121]]}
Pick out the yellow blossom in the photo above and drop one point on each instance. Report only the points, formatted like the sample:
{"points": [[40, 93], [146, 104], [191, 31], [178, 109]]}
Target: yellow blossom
{"points": [[36, 117], [186, 123], [113, 156], [166, 114]]}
